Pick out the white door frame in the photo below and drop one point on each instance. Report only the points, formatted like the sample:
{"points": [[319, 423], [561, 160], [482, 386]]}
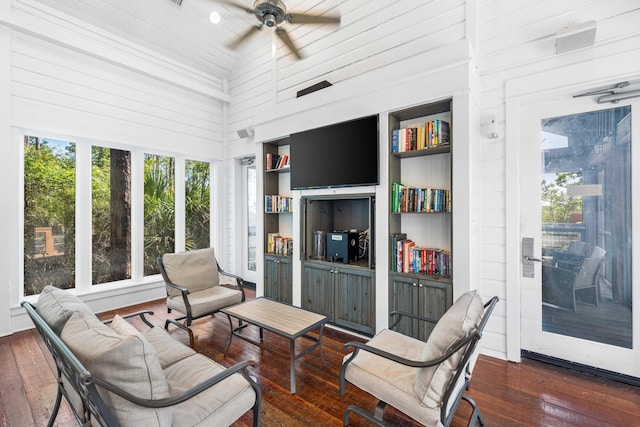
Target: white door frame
{"points": [[251, 276], [543, 86]]}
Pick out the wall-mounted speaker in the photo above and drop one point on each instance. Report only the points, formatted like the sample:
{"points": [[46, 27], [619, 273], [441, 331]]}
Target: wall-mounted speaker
{"points": [[576, 36], [244, 133]]}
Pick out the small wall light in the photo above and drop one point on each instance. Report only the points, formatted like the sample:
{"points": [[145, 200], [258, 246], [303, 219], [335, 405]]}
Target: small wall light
{"points": [[492, 128]]}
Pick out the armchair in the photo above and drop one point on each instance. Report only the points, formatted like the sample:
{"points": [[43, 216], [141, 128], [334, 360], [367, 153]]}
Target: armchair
{"points": [[193, 287], [560, 285], [426, 381]]}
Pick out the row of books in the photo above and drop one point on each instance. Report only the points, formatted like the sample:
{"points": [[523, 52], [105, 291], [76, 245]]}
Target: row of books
{"points": [[276, 161], [407, 257], [433, 133], [275, 203], [405, 198], [276, 244]]}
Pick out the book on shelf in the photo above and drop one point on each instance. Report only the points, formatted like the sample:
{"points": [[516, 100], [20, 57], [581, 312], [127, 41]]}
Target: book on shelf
{"points": [[278, 204], [431, 134], [278, 245], [276, 161], [393, 249], [405, 198], [407, 257]]}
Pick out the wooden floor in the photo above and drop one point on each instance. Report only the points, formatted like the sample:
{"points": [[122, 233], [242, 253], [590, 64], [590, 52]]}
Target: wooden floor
{"points": [[508, 394]]}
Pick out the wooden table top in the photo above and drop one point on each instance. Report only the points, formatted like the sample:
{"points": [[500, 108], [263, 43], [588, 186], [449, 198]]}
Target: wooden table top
{"points": [[281, 318]]}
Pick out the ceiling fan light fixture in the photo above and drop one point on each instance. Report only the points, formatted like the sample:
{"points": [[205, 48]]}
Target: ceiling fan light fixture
{"points": [[214, 17], [269, 20]]}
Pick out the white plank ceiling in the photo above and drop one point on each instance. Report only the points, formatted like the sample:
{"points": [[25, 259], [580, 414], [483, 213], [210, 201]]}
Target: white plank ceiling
{"points": [[180, 32]]}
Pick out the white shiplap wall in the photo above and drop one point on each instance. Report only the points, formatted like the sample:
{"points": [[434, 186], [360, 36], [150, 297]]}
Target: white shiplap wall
{"points": [[378, 43], [516, 47], [73, 82], [382, 58]]}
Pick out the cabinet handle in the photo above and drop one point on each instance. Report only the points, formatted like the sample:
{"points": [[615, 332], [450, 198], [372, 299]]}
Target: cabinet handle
{"points": [[420, 285], [414, 284]]}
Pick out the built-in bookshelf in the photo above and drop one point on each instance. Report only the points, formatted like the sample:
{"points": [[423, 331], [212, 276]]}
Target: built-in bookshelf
{"points": [[278, 221], [420, 206], [420, 144]]}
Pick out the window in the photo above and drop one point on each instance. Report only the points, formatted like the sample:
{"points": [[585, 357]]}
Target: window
{"points": [[159, 209], [111, 214], [197, 205], [81, 228], [49, 214]]}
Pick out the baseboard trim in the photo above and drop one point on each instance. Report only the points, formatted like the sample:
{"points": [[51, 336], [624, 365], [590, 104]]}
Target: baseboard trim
{"points": [[597, 372]]}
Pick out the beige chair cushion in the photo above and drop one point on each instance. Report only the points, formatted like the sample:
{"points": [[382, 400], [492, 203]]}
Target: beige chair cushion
{"points": [[462, 318], [220, 405], [168, 349], [122, 327], [56, 306], [195, 270], [389, 381], [206, 301], [128, 362]]}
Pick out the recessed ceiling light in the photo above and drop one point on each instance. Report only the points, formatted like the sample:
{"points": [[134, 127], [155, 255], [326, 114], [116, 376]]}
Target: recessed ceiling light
{"points": [[214, 17]]}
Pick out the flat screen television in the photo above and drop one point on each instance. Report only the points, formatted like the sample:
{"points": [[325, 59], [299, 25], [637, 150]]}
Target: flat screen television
{"points": [[340, 155]]}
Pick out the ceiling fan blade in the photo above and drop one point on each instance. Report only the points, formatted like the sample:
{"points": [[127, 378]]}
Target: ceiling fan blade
{"points": [[237, 42], [301, 18], [284, 36], [236, 5]]}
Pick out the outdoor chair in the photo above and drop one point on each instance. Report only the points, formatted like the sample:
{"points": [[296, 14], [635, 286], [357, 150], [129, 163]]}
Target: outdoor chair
{"points": [[117, 376], [424, 380], [193, 287], [561, 286]]}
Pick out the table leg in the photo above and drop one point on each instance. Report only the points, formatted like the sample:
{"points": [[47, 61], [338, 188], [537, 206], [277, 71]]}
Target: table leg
{"points": [[292, 364], [320, 345], [230, 335]]}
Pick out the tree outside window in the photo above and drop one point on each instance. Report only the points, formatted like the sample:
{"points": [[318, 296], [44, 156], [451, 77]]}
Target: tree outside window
{"points": [[111, 214], [49, 214]]}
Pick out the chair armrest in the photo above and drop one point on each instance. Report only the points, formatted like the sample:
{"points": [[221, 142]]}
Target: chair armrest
{"points": [[187, 394], [239, 280], [401, 314], [408, 362], [140, 314], [182, 289]]}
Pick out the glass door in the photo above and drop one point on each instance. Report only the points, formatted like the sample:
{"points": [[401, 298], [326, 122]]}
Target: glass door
{"points": [[576, 223], [249, 220]]}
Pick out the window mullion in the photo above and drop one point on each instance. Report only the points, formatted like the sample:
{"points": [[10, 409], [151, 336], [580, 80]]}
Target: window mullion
{"points": [[83, 216]]}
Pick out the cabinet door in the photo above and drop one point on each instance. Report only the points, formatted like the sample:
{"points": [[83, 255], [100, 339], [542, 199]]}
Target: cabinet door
{"points": [[404, 296], [271, 277], [285, 273], [318, 289], [435, 299], [355, 300]]}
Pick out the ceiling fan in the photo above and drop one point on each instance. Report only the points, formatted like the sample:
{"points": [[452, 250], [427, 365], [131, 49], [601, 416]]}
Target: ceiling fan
{"points": [[273, 13]]}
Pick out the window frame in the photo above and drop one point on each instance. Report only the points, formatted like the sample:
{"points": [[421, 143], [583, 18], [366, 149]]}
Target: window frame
{"points": [[83, 257]]}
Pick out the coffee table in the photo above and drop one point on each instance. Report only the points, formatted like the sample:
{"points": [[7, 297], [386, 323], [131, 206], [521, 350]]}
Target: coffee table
{"points": [[281, 319]]}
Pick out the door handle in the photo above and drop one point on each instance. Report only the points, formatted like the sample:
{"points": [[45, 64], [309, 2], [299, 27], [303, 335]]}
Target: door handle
{"points": [[528, 258]]}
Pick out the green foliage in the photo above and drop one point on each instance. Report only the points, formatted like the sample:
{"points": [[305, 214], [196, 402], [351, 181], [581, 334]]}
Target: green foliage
{"points": [[556, 205], [159, 209], [49, 198], [49, 202], [198, 215]]}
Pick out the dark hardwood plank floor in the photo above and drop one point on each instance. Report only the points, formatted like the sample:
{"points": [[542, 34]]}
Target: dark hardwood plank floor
{"points": [[509, 394]]}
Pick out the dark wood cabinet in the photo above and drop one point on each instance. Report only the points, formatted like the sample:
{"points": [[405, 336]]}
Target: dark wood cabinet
{"points": [[345, 294], [278, 278], [419, 296]]}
